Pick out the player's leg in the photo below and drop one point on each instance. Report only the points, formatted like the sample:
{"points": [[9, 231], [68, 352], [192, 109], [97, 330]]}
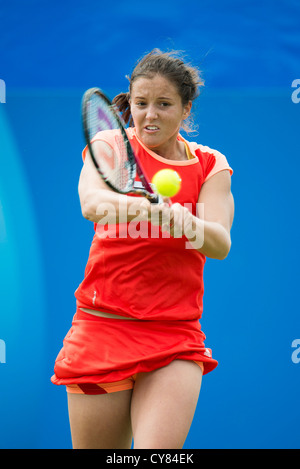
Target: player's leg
{"points": [[163, 405], [100, 421]]}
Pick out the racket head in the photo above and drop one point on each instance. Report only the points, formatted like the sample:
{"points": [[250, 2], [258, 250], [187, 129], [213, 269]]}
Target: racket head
{"points": [[117, 165]]}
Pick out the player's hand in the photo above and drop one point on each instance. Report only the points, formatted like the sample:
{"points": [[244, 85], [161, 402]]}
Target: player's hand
{"points": [[160, 214], [180, 220]]}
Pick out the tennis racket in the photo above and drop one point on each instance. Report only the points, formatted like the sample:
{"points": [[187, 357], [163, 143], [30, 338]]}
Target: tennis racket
{"points": [[117, 165]]}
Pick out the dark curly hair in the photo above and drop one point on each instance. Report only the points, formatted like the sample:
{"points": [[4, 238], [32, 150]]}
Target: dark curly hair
{"points": [[170, 65]]}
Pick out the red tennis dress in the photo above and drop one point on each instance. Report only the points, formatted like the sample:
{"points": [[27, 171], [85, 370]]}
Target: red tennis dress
{"points": [[135, 270]]}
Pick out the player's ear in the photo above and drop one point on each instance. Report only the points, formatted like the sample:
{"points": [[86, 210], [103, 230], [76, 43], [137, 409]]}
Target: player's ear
{"points": [[187, 110]]}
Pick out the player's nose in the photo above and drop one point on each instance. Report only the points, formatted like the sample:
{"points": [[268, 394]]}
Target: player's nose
{"points": [[151, 112]]}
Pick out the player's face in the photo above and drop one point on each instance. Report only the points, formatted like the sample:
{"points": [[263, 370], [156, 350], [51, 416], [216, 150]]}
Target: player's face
{"points": [[157, 112]]}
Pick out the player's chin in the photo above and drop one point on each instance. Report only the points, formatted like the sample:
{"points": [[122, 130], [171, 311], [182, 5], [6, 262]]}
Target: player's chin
{"points": [[150, 139]]}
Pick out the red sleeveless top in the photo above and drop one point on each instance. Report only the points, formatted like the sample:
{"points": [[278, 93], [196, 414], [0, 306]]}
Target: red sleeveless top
{"points": [[147, 274]]}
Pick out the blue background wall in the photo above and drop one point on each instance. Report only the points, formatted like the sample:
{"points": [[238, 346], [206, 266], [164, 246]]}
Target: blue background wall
{"points": [[249, 53]]}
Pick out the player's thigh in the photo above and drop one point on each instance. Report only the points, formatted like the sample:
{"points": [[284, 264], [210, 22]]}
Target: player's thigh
{"points": [[100, 421], [163, 405]]}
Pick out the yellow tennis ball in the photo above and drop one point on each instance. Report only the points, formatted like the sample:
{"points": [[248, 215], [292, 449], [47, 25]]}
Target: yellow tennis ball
{"points": [[167, 182]]}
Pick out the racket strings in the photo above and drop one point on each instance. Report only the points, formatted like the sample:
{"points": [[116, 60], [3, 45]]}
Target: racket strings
{"points": [[113, 162], [125, 166]]}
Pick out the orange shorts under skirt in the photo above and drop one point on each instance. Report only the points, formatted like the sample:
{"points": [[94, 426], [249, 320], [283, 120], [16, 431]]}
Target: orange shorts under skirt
{"points": [[106, 388], [108, 352]]}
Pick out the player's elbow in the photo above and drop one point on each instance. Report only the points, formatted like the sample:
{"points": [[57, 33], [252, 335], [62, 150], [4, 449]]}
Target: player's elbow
{"points": [[88, 203], [87, 209], [224, 249], [220, 247]]}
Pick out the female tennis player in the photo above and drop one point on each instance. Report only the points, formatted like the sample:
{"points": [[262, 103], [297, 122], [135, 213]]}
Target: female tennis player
{"points": [[134, 357]]}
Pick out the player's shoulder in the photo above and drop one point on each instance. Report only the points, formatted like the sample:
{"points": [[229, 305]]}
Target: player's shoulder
{"points": [[106, 135], [211, 160], [204, 150]]}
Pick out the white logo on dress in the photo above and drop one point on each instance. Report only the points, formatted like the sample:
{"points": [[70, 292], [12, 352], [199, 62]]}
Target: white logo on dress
{"points": [[94, 298]]}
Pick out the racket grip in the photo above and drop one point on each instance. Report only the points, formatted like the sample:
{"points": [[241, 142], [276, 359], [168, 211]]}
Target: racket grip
{"points": [[155, 199]]}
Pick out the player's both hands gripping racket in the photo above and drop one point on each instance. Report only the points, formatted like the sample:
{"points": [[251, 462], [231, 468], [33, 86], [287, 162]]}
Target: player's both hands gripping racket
{"points": [[117, 165]]}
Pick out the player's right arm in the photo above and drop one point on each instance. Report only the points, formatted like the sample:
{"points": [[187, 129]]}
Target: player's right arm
{"points": [[98, 201]]}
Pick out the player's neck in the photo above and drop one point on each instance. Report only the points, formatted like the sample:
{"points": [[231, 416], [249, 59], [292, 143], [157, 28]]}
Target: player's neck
{"points": [[175, 151]]}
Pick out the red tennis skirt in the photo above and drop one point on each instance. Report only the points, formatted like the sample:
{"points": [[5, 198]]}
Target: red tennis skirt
{"points": [[103, 350]]}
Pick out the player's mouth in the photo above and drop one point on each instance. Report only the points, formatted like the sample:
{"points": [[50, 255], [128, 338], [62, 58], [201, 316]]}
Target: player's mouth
{"points": [[151, 128]]}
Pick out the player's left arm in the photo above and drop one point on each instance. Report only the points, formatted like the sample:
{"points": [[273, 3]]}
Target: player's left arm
{"points": [[209, 232]]}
